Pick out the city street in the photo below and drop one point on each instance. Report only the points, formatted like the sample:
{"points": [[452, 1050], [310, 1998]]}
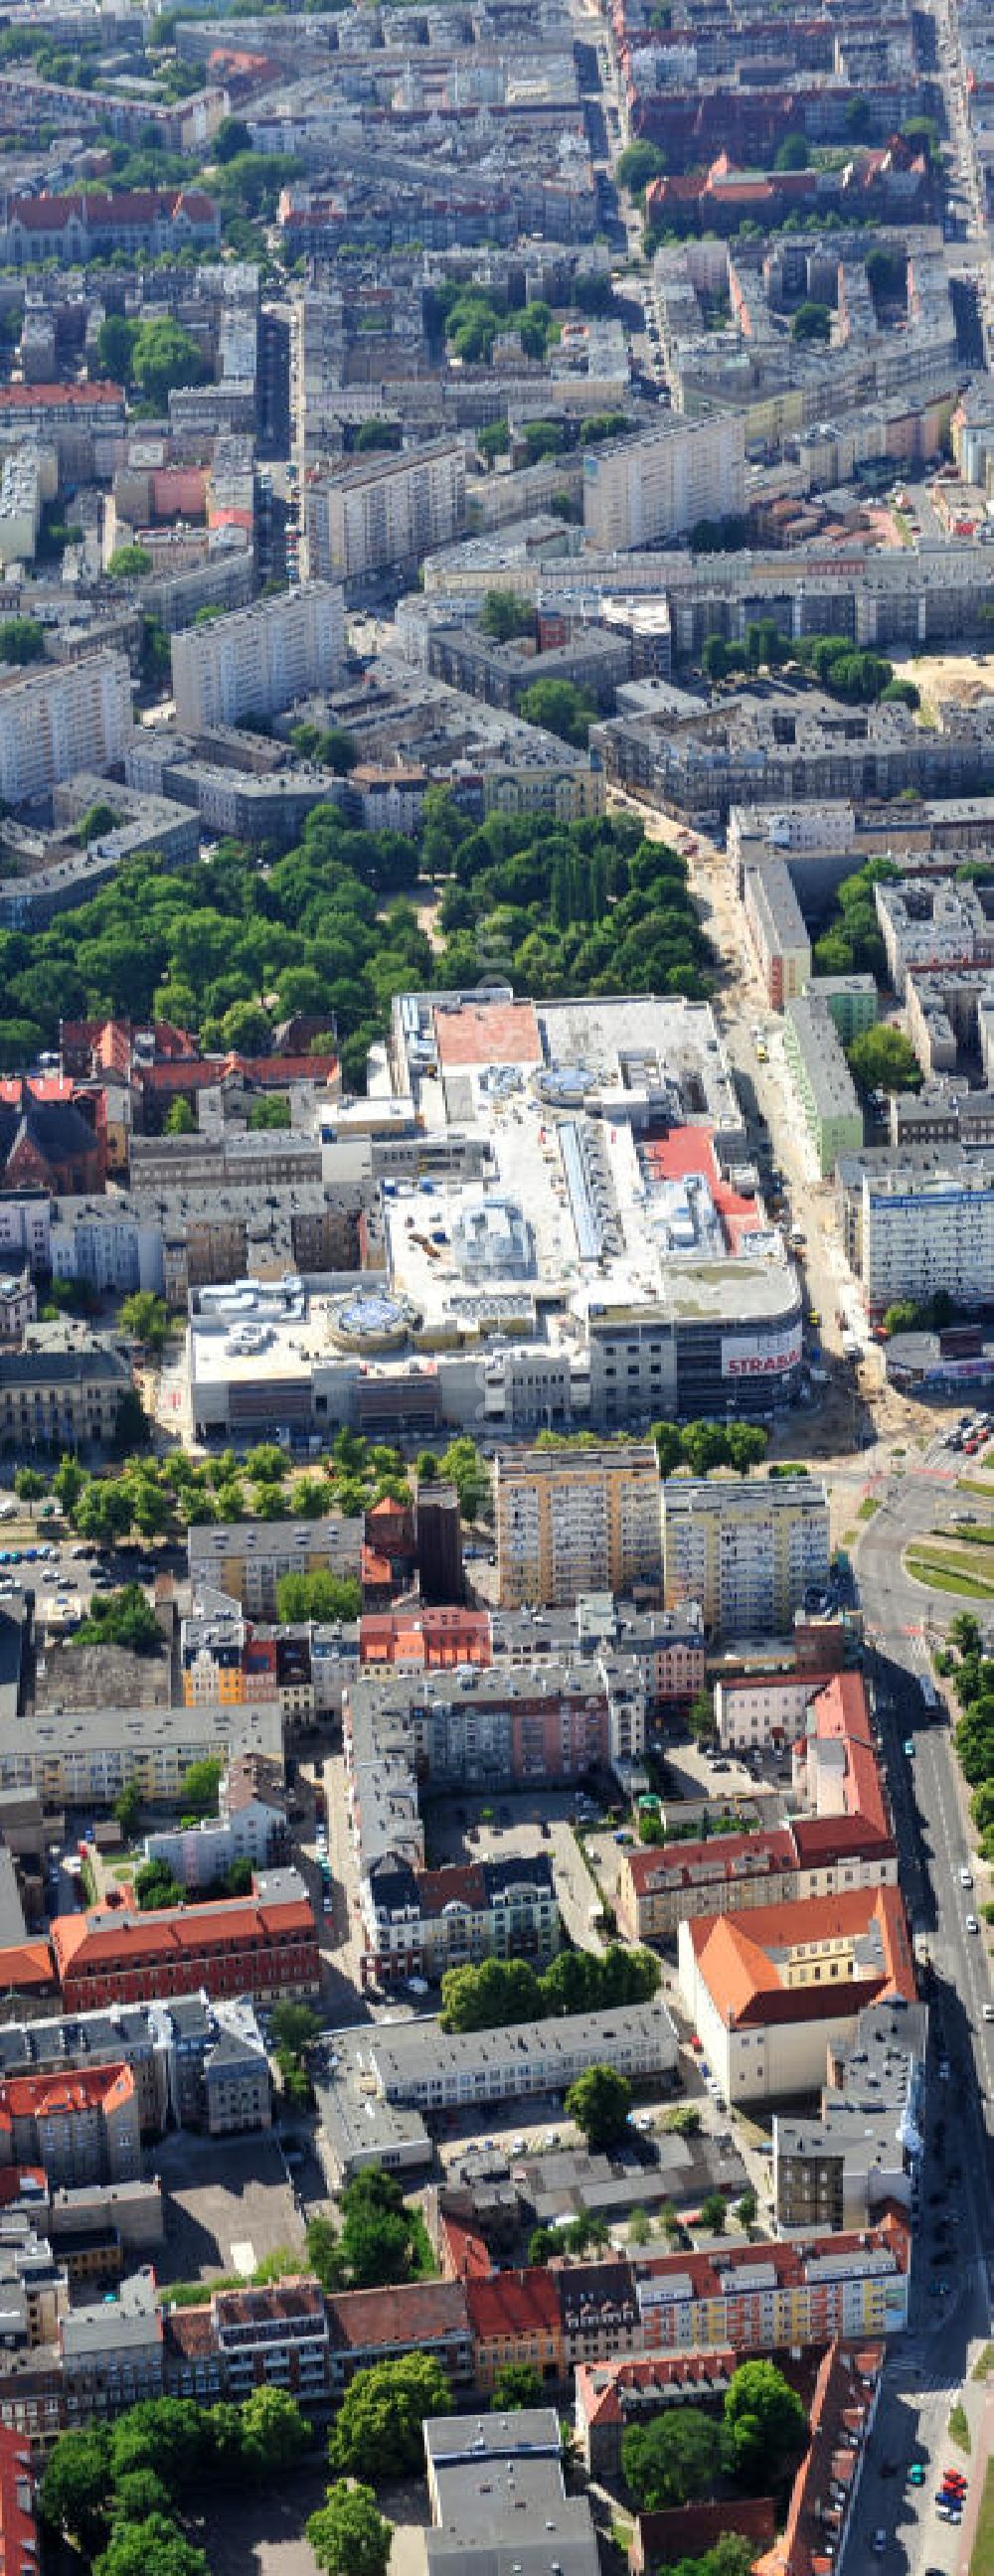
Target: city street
{"points": [[932, 2364]]}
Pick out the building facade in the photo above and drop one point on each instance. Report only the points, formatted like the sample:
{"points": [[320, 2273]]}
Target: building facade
{"points": [[260, 659], [747, 1550], [391, 510], [575, 1521], [641, 491], [65, 716]]}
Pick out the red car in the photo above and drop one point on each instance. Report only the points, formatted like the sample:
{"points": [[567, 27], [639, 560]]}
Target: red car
{"points": [[955, 2478]]}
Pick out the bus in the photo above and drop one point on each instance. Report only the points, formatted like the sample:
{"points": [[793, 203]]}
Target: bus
{"points": [[929, 1694]]}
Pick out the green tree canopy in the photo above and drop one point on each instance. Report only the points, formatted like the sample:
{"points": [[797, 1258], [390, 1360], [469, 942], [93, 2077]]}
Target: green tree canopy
{"points": [[164, 356], [199, 1786], [504, 616], [883, 1059], [156, 2547], [765, 2425], [561, 708], [376, 2435], [516, 2386], [317, 1596], [812, 321], [124, 1618], [348, 2534], [639, 163], [673, 2460], [146, 1317], [599, 2101], [22, 639], [74, 2487]]}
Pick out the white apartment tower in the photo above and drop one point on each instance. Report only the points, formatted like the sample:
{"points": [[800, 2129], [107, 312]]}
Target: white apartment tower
{"points": [[63, 717], [641, 491], [390, 510], [924, 1229], [260, 659]]}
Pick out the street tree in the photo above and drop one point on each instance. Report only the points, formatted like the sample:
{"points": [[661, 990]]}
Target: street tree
{"points": [[349, 2535], [518, 2385], [75, 2488]]}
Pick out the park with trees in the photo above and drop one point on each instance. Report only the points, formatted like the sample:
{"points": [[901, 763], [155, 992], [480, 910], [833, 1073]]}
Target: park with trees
{"points": [[562, 908], [129, 2496]]}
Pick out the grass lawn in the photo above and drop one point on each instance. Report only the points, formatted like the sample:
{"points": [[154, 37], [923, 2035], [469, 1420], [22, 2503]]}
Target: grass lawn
{"points": [[984, 2363], [869, 1505], [941, 1574], [969, 1485], [982, 2561]]}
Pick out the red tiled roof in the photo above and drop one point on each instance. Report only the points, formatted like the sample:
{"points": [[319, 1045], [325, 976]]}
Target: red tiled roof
{"points": [[56, 397], [28, 1964], [106, 1940], [739, 1964], [50, 2097], [513, 2303], [417, 2313], [681, 1864]]}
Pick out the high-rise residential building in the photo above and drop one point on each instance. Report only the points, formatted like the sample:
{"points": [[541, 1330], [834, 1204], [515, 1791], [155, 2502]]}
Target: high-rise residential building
{"points": [[572, 1521], [639, 491], [260, 659], [748, 1551], [919, 1224], [63, 716], [389, 510]]}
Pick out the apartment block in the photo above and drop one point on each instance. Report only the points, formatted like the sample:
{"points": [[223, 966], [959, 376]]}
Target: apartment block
{"points": [[642, 491], [263, 1945], [575, 1521], [736, 2300], [768, 1994], [249, 1558], [929, 927], [822, 1080], [423, 1922], [79, 2127], [65, 716], [110, 2354], [747, 1550], [259, 660], [862, 2152], [388, 2082], [173, 2051], [778, 932], [919, 1222], [61, 1393], [852, 1001], [391, 510]]}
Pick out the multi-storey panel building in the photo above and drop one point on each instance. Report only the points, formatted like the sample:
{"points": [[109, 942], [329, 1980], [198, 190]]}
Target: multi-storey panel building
{"points": [[747, 1551], [571, 1522]]}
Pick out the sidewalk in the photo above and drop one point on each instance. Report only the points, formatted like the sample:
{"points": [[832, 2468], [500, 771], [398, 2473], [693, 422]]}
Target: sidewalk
{"points": [[982, 2437]]}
